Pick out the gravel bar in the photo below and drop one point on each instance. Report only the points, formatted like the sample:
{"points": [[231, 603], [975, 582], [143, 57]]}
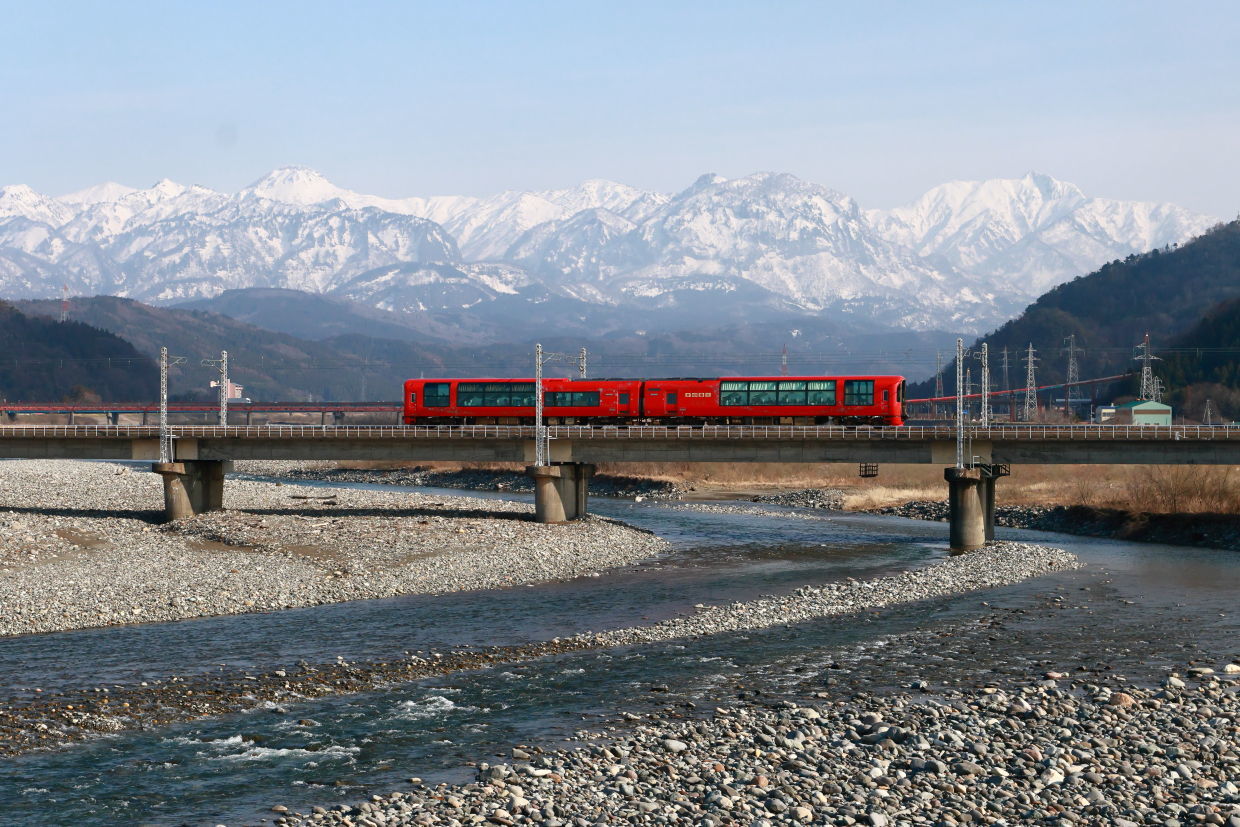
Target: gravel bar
{"points": [[81, 546], [999, 564], [1037, 753]]}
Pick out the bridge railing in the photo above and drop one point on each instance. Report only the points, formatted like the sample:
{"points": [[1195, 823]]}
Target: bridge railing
{"points": [[921, 433]]}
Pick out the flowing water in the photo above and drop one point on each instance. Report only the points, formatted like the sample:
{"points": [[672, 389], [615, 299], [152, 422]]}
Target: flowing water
{"points": [[1138, 609]]}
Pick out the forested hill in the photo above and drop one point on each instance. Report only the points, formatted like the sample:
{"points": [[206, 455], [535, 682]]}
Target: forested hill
{"points": [[1205, 364], [46, 360], [1164, 292], [270, 366]]}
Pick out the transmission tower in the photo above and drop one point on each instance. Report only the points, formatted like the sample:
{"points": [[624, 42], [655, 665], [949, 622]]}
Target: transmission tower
{"points": [[64, 303], [581, 364], [1143, 354], [1031, 387], [783, 362], [938, 382], [1074, 375], [1208, 416]]}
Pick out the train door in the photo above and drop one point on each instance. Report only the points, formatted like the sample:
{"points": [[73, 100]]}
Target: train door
{"points": [[655, 402]]}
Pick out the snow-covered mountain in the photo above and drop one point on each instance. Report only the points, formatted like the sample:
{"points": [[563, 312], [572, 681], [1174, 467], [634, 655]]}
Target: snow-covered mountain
{"points": [[964, 255], [1030, 232]]}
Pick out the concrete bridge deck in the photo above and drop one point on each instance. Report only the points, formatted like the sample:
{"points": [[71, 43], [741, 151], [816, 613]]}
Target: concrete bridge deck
{"points": [[1007, 443]]}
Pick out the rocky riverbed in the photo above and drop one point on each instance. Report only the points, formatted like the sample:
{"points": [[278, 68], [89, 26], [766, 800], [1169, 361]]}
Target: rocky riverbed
{"points": [[1039, 752], [1208, 530], [39, 719], [81, 546], [472, 479]]}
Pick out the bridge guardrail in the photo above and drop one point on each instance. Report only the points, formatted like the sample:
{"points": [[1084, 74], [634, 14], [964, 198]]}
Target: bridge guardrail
{"points": [[1006, 432]]}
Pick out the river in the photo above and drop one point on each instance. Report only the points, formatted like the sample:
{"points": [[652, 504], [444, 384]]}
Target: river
{"points": [[1134, 609]]}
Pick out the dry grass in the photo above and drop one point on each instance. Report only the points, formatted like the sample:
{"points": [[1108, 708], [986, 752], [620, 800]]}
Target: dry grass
{"points": [[1166, 489]]}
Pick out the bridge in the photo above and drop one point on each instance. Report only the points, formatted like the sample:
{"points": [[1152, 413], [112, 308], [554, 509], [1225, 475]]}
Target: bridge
{"points": [[238, 409], [194, 475]]}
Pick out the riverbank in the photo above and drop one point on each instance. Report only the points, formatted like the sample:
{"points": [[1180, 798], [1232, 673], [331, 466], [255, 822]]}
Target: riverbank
{"points": [[470, 479], [1221, 531], [80, 546], [1036, 752]]}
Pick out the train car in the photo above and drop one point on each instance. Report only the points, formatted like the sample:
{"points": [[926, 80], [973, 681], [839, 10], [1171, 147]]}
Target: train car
{"points": [[751, 400], [776, 400], [511, 401]]}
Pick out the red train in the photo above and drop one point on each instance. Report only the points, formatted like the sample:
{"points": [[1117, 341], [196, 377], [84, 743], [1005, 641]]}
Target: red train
{"points": [[741, 400]]}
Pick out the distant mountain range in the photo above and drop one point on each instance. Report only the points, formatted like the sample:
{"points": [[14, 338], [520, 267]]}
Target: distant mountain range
{"points": [[602, 257]]}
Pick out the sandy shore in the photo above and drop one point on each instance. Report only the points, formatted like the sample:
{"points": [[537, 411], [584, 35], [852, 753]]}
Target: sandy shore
{"points": [[80, 546]]}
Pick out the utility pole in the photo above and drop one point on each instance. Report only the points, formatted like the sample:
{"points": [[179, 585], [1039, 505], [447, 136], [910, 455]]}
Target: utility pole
{"points": [[222, 384], [960, 403], [1074, 375], [987, 414], [1031, 387], [968, 392], [1143, 354], [165, 433], [542, 446], [1007, 386], [938, 382]]}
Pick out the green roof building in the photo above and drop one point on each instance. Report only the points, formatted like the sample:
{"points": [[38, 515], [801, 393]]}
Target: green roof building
{"points": [[1142, 412]]}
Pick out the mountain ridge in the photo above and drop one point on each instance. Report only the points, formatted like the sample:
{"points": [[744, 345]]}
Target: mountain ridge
{"points": [[964, 255]]}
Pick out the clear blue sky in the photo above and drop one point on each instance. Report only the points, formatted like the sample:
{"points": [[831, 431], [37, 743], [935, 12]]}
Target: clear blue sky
{"points": [[880, 100]]}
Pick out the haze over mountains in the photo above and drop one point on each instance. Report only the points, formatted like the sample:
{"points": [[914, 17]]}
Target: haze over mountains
{"points": [[603, 256]]}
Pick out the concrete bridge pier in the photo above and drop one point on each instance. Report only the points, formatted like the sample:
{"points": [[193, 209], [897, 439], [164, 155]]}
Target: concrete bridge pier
{"points": [[561, 491], [969, 495], [193, 486], [987, 490]]}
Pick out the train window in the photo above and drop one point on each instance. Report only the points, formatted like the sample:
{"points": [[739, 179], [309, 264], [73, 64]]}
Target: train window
{"points": [[733, 393], [762, 393], [495, 394], [858, 391], [413, 400], [886, 395], [436, 394], [822, 392], [571, 399], [792, 393], [671, 397], [624, 399]]}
